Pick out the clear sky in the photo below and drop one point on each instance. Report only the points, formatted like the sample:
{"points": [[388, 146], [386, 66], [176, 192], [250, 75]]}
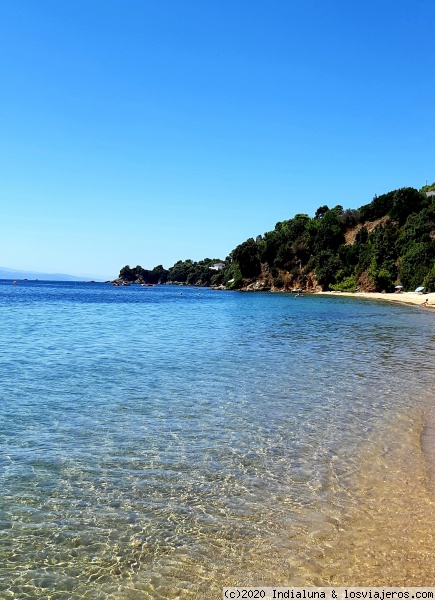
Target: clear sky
{"points": [[148, 131]]}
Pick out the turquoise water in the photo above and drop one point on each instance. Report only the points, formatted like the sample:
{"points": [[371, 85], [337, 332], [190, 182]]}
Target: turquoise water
{"points": [[159, 444]]}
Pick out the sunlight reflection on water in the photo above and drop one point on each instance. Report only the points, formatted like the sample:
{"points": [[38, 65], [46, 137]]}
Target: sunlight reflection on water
{"points": [[157, 445]]}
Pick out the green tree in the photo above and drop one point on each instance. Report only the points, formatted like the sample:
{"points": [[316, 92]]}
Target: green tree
{"points": [[327, 265], [416, 264], [429, 280], [378, 208], [405, 202], [127, 274], [158, 275], [321, 211], [246, 255], [428, 188], [329, 232]]}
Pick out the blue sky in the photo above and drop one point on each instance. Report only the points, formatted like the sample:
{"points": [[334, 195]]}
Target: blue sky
{"points": [[144, 132]]}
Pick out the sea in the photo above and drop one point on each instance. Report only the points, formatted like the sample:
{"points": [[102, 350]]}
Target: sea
{"points": [[164, 442]]}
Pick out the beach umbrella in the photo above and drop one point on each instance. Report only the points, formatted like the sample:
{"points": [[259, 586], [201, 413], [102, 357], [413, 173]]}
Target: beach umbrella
{"points": [[420, 289], [398, 287]]}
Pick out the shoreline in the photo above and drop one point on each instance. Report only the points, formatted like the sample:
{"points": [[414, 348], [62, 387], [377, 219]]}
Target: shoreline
{"points": [[414, 298], [366, 551]]}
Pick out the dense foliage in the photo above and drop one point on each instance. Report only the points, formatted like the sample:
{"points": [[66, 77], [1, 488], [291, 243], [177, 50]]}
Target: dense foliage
{"points": [[386, 243], [187, 272]]}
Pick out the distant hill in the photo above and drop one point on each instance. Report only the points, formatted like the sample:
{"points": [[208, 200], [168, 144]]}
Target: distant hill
{"points": [[6, 273]]}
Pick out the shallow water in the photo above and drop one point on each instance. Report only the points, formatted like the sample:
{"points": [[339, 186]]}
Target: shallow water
{"points": [[162, 445]]}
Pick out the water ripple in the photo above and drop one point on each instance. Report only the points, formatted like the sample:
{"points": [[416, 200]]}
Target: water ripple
{"points": [[152, 443]]}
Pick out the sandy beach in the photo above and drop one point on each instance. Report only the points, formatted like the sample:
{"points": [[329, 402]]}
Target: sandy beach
{"points": [[404, 297]]}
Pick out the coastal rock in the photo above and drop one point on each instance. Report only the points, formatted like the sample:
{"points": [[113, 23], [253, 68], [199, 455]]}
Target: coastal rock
{"points": [[257, 286]]}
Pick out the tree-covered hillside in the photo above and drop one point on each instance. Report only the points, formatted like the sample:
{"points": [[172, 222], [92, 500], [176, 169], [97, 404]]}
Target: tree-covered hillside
{"points": [[188, 272], [389, 242]]}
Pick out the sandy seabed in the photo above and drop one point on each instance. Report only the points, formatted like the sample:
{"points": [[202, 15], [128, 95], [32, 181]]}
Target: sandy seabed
{"points": [[390, 538]]}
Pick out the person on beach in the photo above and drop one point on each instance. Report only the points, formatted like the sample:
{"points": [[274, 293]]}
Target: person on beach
{"points": [[425, 303]]}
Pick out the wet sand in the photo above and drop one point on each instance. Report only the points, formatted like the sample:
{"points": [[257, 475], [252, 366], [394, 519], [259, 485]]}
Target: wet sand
{"points": [[389, 536], [383, 534]]}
